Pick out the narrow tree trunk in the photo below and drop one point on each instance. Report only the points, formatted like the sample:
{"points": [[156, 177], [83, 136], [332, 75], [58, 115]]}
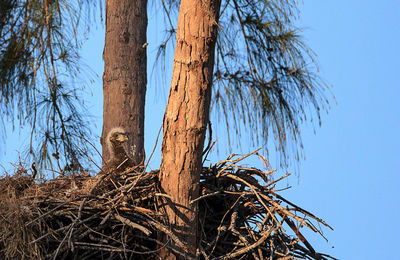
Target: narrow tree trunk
{"points": [[125, 75], [186, 118]]}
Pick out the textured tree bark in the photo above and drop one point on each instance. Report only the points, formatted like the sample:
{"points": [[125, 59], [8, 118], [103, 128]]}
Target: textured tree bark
{"points": [[125, 75], [186, 118]]}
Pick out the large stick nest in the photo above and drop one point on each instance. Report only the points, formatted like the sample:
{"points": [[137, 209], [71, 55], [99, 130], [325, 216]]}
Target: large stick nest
{"points": [[115, 216]]}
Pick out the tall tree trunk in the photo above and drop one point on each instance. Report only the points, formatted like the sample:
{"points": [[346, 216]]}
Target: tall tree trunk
{"points": [[125, 75], [186, 118]]}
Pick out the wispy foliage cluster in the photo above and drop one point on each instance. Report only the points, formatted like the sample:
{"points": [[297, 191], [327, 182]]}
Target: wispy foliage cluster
{"points": [[39, 76], [265, 80]]}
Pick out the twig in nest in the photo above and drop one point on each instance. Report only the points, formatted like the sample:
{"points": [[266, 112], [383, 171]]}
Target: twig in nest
{"points": [[132, 224]]}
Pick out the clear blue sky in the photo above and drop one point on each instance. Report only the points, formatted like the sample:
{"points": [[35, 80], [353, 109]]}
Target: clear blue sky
{"points": [[350, 177]]}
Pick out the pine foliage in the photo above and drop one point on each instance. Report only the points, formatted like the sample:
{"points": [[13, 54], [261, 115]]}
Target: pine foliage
{"points": [[40, 82]]}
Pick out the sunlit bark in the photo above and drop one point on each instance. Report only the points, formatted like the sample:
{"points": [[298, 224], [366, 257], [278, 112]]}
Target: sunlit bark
{"points": [[186, 118]]}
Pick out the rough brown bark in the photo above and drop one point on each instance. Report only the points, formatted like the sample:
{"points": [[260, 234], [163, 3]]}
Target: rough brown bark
{"points": [[186, 118], [125, 75]]}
